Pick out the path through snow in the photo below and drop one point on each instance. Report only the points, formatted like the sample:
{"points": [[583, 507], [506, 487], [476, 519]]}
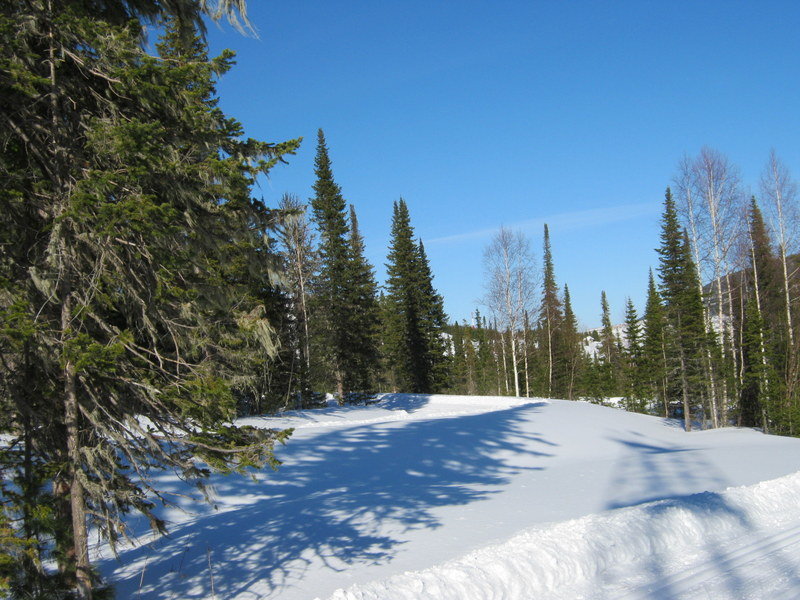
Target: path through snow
{"points": [[424, 496]]}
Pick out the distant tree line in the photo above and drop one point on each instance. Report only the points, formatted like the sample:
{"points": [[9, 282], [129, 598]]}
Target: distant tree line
{"points": [[717, 341]]}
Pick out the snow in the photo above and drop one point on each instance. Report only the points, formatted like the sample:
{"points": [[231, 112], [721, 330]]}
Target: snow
{"points": [[485, 497]]}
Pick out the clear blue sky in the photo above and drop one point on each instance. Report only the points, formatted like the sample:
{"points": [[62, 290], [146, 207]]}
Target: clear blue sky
{"points": [[483, 114]]}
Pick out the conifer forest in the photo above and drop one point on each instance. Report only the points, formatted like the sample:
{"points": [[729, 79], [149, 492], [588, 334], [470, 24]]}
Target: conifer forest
{"points": [[148, 298]]}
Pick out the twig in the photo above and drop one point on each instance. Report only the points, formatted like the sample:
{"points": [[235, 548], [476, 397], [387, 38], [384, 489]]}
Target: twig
{"points": [[211, 572]]}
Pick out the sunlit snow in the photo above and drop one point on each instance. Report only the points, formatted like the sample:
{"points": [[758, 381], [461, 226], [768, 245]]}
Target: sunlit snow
{"points": [[485, 497]]}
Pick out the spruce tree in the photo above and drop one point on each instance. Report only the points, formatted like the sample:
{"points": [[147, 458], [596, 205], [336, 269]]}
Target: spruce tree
{"points": [[654, 346], [458, 374], [434, 322], [610, 357], [485, 376], [635, 395], [572, 351], [415, 318], [755, 407], [684, 313], [764, 335], [134, 294], [334, 321], [550, 318], [364, 317]]}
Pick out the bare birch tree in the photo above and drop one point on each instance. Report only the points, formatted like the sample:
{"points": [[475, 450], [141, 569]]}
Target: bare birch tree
{"points": [[779, 197], [297, 239], [711, 206], [510, 287]]}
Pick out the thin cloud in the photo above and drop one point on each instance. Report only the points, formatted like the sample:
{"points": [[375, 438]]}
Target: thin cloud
{"points": [[570, 221]]}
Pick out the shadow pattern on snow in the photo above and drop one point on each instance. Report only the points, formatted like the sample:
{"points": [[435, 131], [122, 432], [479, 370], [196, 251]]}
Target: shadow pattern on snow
{"points": [[669, 476], [333, 501]]}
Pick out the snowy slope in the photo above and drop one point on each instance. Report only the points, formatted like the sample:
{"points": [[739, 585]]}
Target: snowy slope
{"points": [[425, 496]]}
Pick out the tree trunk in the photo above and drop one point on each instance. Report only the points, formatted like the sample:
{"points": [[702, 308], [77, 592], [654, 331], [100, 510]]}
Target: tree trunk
{"points": [[514, 361], [687, 415], [80, 538], [549, 359], [505, 364]]}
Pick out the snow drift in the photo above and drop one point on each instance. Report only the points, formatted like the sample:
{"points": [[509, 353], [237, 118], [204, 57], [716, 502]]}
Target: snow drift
{"points": [[559, 560], [425, 496]]}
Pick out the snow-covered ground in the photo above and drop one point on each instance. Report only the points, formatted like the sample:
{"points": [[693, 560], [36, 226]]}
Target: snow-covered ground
{"points": [[483, 497]]}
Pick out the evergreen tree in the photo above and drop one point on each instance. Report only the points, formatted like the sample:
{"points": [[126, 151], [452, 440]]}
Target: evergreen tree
{"points": [[458, 381], [654, 346], [415, 318], [550, 318], [610, 356], [434, 322], [635, 395], [470, 360], [485, 370], [684, 313], [764, 335], [365, 314], [334, 318], [132, 257], [573, 355], [754, 402]]}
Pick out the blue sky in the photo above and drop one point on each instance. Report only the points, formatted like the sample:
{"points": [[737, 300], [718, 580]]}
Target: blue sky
{"points": [[508, 113]]}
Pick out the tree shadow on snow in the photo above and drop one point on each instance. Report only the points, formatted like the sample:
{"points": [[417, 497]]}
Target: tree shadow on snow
{"points": [[672, 475], [341, 498], [407, 402]]}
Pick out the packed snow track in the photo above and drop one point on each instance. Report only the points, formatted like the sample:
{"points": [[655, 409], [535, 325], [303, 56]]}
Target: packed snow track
{"points": [[445, 497]]}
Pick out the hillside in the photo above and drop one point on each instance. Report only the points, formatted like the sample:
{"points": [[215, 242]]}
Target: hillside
{"points": [[476, 497]]}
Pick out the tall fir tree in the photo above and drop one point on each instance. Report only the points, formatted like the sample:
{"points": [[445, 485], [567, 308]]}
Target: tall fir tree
{"points": [[608, 341], [573, 357], [415, 317], [365, 314], [634, 375], [434, 322], [550, 319], [331, 289], [764, 336], [136, 292], [654, 346], [684, 314], [485, 377], [345, 306]]}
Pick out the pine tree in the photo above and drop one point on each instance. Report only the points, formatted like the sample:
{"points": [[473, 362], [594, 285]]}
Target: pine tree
{"points": [[755, 406], [458, 380], [134, 294], [365, 315], [765, 336], [610, 357], [635, 396], [654, 346], [415, 318], [434, 322], [484, 368], [331, 290], [470, 360], [550, 317], [573, 355], [684, 313]]}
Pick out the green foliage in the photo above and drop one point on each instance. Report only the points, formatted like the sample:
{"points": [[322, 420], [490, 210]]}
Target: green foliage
{"points": [[136, 267], [634, 374], [414, 318], [345, 293], [688, 341]]}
